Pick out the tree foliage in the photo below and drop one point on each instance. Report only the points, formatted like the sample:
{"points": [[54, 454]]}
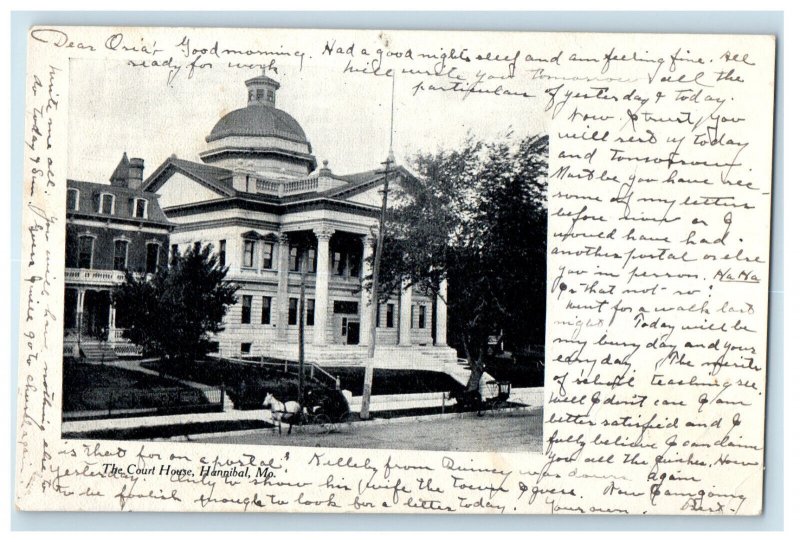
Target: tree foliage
{"points": [[476, 216], [173, 312]]}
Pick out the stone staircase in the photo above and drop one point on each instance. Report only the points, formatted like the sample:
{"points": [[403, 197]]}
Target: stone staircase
{"points": [[98, 351], [460, 371]]}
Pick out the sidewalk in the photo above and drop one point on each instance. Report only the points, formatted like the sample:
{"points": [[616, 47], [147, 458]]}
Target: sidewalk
{"points": [[527, 398]]}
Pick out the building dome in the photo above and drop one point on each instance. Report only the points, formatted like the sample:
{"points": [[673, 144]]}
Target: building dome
{"points": [[258, 121], [267, 138]]}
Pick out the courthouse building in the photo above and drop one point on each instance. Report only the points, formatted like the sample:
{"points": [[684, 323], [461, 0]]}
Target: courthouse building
{"points": [[259, 196]]}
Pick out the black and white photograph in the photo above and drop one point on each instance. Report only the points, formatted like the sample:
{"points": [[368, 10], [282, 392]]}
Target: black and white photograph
{"points": [[283, 257], [395, 271]]}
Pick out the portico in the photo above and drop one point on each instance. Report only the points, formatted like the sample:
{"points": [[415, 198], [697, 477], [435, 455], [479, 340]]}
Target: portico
{"points": [[337, 303]]}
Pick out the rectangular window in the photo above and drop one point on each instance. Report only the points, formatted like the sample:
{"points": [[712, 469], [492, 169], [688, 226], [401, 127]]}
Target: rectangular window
{"points": [[245, 348], [151, 263], [345, 307], [344, 327], [296, 259], [355, 265], [293, 311], [140, 208], [72, 199], [390, 315], [269, 249], [85, 246], [174, 251], [107, 204], [249, 248], [247, 305], [309, 312], [411, 320], [120, 255], [339, 263], [422, 311], [312, 261], [266, 310], [222, 249]]}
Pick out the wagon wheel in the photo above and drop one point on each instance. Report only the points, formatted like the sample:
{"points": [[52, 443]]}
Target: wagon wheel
{"points": [[324, 422], [493, 404]]}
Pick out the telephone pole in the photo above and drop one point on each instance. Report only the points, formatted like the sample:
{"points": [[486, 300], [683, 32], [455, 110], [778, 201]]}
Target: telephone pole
{"points": [[376, 269], [301, 331]]}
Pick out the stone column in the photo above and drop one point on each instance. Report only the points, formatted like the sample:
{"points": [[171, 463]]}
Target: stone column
{"points": [[79, 313], [365, 327], [111, 315], [321, 286], [441, 314], [405, 313], [282, 299]]}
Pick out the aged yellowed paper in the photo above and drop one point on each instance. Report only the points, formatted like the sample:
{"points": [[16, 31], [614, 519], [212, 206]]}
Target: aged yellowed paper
{"points": [[572, 238]]}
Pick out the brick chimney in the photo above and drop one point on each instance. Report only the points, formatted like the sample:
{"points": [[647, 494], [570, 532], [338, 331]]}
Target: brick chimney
{"points": [[129, 172], [135, 173]]}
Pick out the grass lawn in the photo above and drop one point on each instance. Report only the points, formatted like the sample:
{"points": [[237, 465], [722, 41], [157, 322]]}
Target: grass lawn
{"points": [[394, 381], [520, 371], [99, 387], [210, 372], [384, 381]]}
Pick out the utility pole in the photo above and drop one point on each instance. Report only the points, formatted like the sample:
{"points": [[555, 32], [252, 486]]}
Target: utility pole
{"points": [[301, 331], [376, 269]]}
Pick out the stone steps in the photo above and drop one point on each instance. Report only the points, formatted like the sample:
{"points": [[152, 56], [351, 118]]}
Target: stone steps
{"points": [[98, 352], [461, 373]]}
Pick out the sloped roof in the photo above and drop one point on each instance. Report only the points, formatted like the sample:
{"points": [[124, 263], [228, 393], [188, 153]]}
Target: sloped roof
{"points": [[210, 173], [361, 182], [121, 172], [216, 178], [89, 198], [219, 179]]}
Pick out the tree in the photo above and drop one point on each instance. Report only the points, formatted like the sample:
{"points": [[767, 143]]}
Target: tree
{"points": [[476, 216], [173, 312]]}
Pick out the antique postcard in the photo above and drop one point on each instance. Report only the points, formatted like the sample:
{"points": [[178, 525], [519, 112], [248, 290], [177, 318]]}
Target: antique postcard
{"points": [[394, 271]]}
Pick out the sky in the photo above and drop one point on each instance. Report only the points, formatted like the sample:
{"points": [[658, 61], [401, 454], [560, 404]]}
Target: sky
{"points": [[114, 108]]}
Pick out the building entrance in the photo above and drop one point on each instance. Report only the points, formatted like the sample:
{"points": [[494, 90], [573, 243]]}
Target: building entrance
{"points": [[353, 332], [96, 305]]}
